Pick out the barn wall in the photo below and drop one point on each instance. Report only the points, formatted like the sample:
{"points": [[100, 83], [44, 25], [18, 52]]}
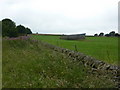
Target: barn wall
{"points": [[73, 37]]}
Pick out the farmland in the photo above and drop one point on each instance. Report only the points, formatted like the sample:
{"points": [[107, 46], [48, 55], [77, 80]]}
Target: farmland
{"points": [[28, 64], [102, 48]]}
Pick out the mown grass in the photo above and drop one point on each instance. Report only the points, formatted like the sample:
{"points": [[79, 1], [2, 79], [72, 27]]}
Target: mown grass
{"points": [[102, 48], [28, 64]]}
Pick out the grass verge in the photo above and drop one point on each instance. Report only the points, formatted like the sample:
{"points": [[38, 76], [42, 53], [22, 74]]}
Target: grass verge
{"points": [[28, 64]]}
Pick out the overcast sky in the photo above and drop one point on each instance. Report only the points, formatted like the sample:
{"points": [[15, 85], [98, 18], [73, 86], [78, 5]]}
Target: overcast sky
{"points": [[63, 16]]}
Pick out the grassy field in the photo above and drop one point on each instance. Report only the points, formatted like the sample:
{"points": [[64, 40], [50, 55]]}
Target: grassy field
{"points": [[102, 48], [27, 64]]}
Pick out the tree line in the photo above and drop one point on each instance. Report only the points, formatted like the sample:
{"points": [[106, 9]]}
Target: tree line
{"points": [[111, 34], [10, 29]]}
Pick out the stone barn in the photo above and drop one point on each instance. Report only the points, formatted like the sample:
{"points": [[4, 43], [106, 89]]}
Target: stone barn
{"points": [[73, 37]]}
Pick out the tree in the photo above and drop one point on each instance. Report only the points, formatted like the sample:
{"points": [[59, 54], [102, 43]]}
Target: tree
{"points": [[112, 33], [9, 28], [117, 35], [28, 31], [107, 35], [95, 34], [101, 34], [21, 30]]}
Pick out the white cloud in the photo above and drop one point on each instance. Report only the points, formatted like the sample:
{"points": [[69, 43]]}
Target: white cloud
{"points": [[63, 16]]}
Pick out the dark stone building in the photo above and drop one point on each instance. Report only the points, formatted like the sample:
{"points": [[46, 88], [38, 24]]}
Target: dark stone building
{"points": [[73, 37]]}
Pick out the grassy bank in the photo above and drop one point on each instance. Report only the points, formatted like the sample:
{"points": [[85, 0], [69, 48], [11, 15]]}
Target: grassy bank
{"points": [[102, 48], [27, 64]]}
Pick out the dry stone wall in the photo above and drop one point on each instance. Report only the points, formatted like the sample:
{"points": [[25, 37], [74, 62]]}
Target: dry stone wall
{"points": [[88, 61]]}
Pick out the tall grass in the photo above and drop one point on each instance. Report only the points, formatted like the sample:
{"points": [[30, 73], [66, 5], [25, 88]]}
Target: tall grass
{"points": [[0, 61], [28, 64], [102, 48]]}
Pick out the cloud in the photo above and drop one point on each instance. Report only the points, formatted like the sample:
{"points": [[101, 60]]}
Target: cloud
{"points": [[63, 16]]}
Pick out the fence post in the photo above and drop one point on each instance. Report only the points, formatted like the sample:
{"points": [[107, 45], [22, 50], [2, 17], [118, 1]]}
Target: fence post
{"points": [[76, 48]]}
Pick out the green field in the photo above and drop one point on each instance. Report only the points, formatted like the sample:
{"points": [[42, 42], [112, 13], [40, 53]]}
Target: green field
{"points": [[102, 48], [28, 64]]}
